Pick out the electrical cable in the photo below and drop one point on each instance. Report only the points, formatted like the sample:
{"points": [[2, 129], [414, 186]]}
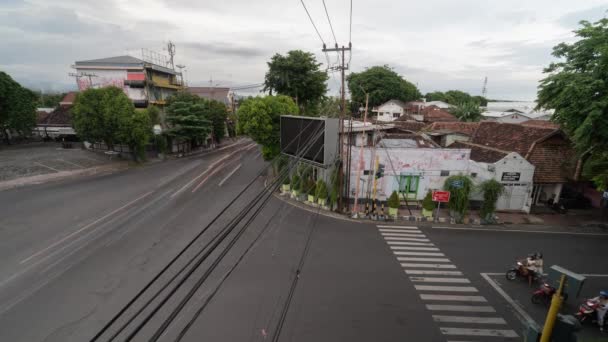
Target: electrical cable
{"points": [[226, 231], [330, 25], [185, 248], [312, 22]]}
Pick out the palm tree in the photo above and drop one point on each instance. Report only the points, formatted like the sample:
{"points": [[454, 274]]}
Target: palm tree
{"points": [[467, 111]]}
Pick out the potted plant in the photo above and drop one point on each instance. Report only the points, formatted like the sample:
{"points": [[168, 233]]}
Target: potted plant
{"points": [[321, 192], [312, 189], [428, 205], [460, 189], [393, 204], [285, 187], [295, 186], [492, 190]]}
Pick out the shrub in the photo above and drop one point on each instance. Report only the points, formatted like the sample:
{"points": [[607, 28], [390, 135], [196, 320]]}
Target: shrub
{"points": [[312, 188], [295, 182], [427, 202], [393, 200], [492, 190], [321, 189], [459, 196]]}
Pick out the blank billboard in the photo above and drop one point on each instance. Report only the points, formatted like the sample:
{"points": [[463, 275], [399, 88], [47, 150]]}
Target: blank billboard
{"points": [[297, 132]]}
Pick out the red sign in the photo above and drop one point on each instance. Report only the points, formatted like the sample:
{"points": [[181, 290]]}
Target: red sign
{"points": [[441, 196]]}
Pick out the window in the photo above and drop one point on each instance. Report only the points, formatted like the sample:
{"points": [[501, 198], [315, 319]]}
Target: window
{"points": [[445, 173], [408, 185], [395, 115], [473, 174]]}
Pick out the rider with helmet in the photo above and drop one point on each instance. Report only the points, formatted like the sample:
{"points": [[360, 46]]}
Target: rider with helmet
{"points": [[602, 308], [534, 264]]}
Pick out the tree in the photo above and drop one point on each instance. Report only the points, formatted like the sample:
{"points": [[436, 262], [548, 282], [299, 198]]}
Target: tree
{"points": [[435, 96], [460, 188], [136, 132], [188, 121], [456, 97], [482, 101], [213, 110], [468, 111], [382, 84], [260, 117], [577, 89], [17, 108], [298, 76], [48, 100], [492, 190]]}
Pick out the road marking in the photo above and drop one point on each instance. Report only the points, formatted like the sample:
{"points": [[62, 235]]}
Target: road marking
{"points": [[523, 315], [423, 259], [522, 231], [409, 248], [399, 227], [418, 253], [400, 231], [84, 228], [427, 272], [463, 308], [202, 174], [218, 169], [464, 319], [453, 298], [68, 162], [478, 332], [416, 236], [406, 243], [429, 265], [48, 167], [397, 238], [440, 280], [445, 288], [230, 174]]}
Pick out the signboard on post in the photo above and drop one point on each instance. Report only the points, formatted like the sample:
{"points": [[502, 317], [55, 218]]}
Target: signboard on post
{"points": [[457, 183], [510, 176], [441, 196]]}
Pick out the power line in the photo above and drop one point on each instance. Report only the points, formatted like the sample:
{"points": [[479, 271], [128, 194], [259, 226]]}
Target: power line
{"points": [[312, 22], [330, 25]]}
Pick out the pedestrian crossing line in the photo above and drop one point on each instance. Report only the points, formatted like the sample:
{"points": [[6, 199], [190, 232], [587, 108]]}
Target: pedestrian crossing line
{"points": [[453, 298], [398, 238], [478, 332], [445, 288], [404, 234], [410, 248], [440, 280], [460, 308], [433, 272], [440, 266], [423, 259], [419, 253], [399, 227], [403, 231], [408, 243], [465, 319]]}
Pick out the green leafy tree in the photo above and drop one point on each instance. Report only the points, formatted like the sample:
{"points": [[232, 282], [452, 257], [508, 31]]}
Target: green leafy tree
{"points": [[17, 108], [576, 87], [188, 122], [298, 76], [48, 100], [435, 96], [260, 117], [492, 190], [455, 97], [460, 189], [214, 111], [382, 84], [155, 115], [467, 111], [480, 100], [88, 117], [136, 132]]}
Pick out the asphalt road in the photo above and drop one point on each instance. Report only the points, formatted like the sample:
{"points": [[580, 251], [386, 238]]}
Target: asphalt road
{"points": [[73, 253]]}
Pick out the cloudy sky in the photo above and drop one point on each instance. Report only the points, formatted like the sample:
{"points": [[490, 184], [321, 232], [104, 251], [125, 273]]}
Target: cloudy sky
{"points": [[437, 44]]}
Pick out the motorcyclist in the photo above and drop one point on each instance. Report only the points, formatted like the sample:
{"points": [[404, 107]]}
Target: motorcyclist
{"points": [[534, 265], [602, 308]]}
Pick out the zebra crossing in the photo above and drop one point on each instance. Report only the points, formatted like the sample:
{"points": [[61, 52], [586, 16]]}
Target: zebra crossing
{"points": [[455, 305]]}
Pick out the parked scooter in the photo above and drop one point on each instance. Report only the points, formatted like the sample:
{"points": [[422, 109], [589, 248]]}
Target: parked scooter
{"points": [[587, 312], [544, 294]]}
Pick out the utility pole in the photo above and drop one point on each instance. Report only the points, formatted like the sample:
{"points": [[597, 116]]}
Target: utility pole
{"points": [[341, 50], [360, 166]]}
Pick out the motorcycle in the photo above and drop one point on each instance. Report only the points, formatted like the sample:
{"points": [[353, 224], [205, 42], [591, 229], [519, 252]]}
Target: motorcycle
{"points": [[587, 312], [520, 270], [544, 294]]}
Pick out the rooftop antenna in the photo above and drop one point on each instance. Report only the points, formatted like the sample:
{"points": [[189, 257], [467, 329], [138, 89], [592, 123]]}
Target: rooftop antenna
{"points": [[484, 90], [181, 68], [171, 50], [83, 74]]}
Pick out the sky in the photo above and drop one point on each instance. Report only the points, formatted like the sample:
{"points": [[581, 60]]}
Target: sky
{"points": [[436, 44]]}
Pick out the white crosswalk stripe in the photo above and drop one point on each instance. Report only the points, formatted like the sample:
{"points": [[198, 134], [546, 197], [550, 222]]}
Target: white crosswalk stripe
{"points": [[439, 281], [434, 272], [410, 248], [445, 288], [441, 266], [478, 332], [460, 308], [423, 259]]}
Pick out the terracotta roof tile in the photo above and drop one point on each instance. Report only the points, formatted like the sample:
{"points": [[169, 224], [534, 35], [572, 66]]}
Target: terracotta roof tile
{"points": [[435, 114], [62, 116], [69, 98], [467, 128], [554, 159], [480, 153], [541, 123], [508, 137]]}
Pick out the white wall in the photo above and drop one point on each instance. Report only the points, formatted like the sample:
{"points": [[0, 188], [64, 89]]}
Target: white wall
{"points": [[513, 118], [386, 111], [424, 162]]}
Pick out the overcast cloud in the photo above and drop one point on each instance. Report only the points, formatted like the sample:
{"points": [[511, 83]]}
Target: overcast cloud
{"points": [[437, 44]]}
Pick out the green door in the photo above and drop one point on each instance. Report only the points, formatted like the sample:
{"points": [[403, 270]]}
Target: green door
{"points": [[408, 185]]}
